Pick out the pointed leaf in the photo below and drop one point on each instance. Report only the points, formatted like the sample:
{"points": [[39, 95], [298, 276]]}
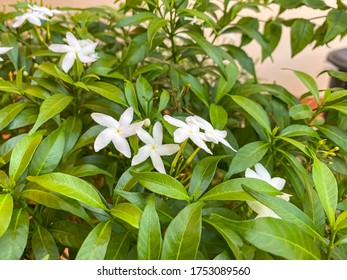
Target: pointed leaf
{"points": [[309, 82], [109, 91], [335, 134], [182, 237], [6, 207], [336, 24], [8, 113], [128, 213], [43, 244], [301, 34], [218, 116], [226, 84]]}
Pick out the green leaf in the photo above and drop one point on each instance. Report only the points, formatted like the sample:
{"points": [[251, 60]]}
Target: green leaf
{"points": [[109, 91], [55, 200], [86, 170], [182, 237], [22, 154], [72, 132], [153, 28], [131, 97], [335, 134], [242, 58], [202, 176], [51, 69], [287, 211], [336, 24], [71, 187], [315, 4], [48, 153], [144, 94], [301, 34], [300, 111], [309, 82], [297, 144], [254, 110], [275, 236], [10, 40], [226, 84], [95, 245], [218, 116], [24, 118], [149, 240], [233, 240], [118, 247], [8, 113], [200, 15], [272, 35], [296, 130], [7, 147], [247, 156], [51, 107], [326, 187], [43, 245], [232, 190], [135, 19], [137, 50], [6, 207], [161, 184], [196, 87], [14, 240], [163, 101], [288, 4], [128, 213]]}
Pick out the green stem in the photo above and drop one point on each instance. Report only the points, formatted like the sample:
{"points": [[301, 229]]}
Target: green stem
{"points": [[174, 163], [331, 244], [189, 160]]}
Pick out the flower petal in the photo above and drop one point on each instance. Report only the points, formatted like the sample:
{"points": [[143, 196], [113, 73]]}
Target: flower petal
{"points": [[105, 120], [5, 49], [60, 48], [86, 59], [200, 122], [250, 173], [19, 20], [122, 145], [141, 156], [200, 143], [158, 133], [145, 137], [175, 122], [167, 149], [157, 162], [180, 135], [226, 143], [72, 41], [277, 182], [103, 139], [126, 118], [68, 61], [34, 20], [131, 129], [262, 172]]}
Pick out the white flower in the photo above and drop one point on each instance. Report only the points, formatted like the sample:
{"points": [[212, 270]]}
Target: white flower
{"points": [[116, 131], [277, 182], [32, 16], [154, 148], [212, 135], [44, 10], [83, 49], [4, 50], [187, 130]]}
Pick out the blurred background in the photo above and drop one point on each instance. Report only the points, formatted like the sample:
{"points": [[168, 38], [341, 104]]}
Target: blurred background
{"points": [[311, 61]]}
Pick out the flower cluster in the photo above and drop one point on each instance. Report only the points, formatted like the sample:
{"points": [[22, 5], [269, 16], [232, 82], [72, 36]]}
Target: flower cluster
{"points": [[34, 15], [277, 182], [83, 49], [117, 132]]}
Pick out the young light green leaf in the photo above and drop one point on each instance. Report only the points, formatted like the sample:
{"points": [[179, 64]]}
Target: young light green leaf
{"points": [[153, 28], [70, 186], [149, 240], [6, 208], [182, 237], [95, 245], [109, 91], [135, 19], [128, 213], [296, 130], [225, 85], [8, 113], [300, 111], [287, 211], [275, 236], [14, 240], [202, 176], [232, 190], [218, 116], [326, 187], [309, 82], [51, 107], [22, 154], [161, 184], [301, 34], [43, 245], [247, 156]]}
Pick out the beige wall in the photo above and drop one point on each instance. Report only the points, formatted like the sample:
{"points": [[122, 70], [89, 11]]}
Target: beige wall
{"points": [[310, 61]]}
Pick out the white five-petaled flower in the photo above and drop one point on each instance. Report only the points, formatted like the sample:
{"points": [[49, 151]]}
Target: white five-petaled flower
{"points": [[33, 17], [116, 131], [4, 50], [154, 148], [186, 130], [44, 10], [212, 135], [83, 49], [277, 182]]}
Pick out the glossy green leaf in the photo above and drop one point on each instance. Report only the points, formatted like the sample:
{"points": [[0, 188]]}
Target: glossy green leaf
{"points": [[6, 208], [86, 170], [149, 240], [242, 58], [54, 200], [315, 4], [296, 130], [7, 147], [43, 245], [310, 84], [335, 134], [272, 35], [8, 113], [188, 13], [109, 91], [144, 94], [232, 190], [24, 118], [154, 27], [326, 187], [95, 245], [297, 144], [48, 153], [218, 116], [131, 97], [51, 107], [336, 24], [247, 156], [182, 237], [14, 240], [226, 84], [163, 101], [275, 236], [301, 34], [202, 175], [10, 40], [196, 87], [300, 111], [128, 213], [254, 110], [287, 211], [22, 154], [288, 4], [135, 19], [161, 184], [70, 186], [72, 132], [118, 247]]}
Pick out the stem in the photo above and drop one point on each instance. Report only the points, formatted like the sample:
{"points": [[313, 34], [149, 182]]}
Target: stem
{"points": [[172, 36], [174, 163], [43, 41], [189, 160], [331, 244]]}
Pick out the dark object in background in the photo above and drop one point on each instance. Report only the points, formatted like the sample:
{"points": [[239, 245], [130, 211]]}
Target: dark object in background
{"points": [[339, 59]]}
